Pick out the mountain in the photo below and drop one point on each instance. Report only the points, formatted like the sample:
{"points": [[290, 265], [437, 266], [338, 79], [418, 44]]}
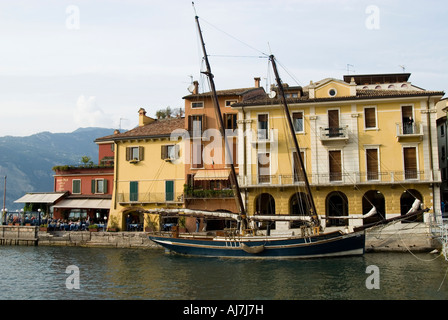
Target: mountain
{"points": [[28, 161]]}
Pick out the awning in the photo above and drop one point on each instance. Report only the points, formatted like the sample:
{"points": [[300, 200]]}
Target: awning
{"points": [[50, 197], [84, 204], [212, 175]]}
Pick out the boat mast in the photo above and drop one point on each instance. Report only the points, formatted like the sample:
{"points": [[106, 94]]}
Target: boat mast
{"points": [[209, 74], [296, 144]]}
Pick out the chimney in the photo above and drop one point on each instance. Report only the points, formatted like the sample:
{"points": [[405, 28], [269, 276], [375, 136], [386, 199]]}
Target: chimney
{"points": [[257, 82], [143, 119], [196, 87]]}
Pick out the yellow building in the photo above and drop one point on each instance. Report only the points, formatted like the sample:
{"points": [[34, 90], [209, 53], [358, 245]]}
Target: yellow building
{"points": [[366, 140], [149, 173]]}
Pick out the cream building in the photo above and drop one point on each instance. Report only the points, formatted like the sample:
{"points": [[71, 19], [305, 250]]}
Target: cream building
{"points": [[366, 140]]}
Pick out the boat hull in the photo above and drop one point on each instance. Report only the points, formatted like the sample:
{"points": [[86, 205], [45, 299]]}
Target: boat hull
{"points": [[330, 245]]}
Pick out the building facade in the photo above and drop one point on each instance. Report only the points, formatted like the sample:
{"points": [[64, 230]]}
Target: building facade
{"points": [[149, 173], [207, 169], [366, 141]]}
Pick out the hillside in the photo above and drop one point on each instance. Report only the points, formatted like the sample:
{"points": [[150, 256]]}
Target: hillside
{"points": [[27, 161]]}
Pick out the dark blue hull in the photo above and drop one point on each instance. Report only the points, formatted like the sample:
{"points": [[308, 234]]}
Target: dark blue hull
{"points": [[330, 245]]}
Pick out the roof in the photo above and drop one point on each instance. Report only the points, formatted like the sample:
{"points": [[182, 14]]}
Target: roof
{"points": [[360, 95], [41, 197], [227, 92], [363, 79], [158, 128]]}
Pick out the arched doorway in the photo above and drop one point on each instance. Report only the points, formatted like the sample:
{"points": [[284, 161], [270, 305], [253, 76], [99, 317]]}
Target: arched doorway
{"points": [[336, 205], [299, 205], [407, 200], [374, 198], [133, 219], [265, 204]]}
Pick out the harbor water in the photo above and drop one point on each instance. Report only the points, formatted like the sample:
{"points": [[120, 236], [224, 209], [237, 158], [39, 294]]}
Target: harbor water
{"points": [[78, 273]]}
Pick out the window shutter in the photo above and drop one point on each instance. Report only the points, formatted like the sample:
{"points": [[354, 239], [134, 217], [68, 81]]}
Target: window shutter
{"points": [[92, 186], [335, 166], [105, 186], [164, 152], [372, 164], [369, 114], [190, 124], [128, 154], [141, 152], [176, 151], [203, 121]]}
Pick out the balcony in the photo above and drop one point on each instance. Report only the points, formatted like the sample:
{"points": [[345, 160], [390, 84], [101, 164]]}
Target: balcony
{"points": [[147, 198], [409, 130], [341, 179], [209, 194], [333, 134]]}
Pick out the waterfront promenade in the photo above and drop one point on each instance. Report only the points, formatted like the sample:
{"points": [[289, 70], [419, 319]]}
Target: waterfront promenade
{"points": [[414, 237]]}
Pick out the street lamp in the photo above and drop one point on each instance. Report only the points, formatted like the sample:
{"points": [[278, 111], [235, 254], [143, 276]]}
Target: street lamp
{"points": [[38, 222]]}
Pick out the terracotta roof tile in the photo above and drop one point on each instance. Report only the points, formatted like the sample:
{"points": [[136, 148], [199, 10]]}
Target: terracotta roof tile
{"points": [[158, 128]]}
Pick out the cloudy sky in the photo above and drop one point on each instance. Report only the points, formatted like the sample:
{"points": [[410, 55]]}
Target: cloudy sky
{"points": [[79, 63]]}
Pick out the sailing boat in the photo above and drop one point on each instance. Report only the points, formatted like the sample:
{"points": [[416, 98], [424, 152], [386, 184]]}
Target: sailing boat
{"points": [[246, 245]]}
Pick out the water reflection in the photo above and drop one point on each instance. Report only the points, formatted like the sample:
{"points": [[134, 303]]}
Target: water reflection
{"points": [[105, 273]]}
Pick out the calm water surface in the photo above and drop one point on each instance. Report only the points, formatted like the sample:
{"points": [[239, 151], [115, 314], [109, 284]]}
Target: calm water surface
{"points": [[125, 274]]}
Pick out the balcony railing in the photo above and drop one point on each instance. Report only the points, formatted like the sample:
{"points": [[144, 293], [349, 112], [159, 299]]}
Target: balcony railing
{"points": [[153, 197], [333, 134], [209, 194], [344, 178], [409, 130]]}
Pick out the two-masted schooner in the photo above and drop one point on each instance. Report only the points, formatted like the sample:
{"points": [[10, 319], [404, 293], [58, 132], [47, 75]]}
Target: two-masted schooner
{"points": [[243, 244]]}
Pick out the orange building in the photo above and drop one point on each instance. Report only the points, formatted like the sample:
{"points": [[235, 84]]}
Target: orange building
{"points": [[207, 168]]}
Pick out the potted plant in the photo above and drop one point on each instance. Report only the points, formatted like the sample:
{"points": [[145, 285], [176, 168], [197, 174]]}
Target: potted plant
{"points": [[93, 228], [182, 225], [43, 227]]}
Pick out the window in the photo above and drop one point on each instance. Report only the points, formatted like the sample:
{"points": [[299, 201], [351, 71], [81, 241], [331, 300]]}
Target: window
{"points": [[230, 102], [99, 186], [133, 191], [443, 152], [134, 153], [408, 121], [332, 92], [410, 162], [335, 165], [197, 156], [442, 130], [230, 121], [297, 120], [169, 190], [299, 175], [372, 164], [264, 168], [333, 123], [76, 186], [197, 104], [263, 123], [170, 152], [369, 117], [196, 125]]}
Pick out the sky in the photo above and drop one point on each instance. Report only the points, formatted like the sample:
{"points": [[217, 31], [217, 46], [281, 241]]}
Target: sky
{"points": [[82, 63]]}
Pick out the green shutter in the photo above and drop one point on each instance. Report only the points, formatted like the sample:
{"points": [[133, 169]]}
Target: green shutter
{"points": [[169, 190], [92, 186], [105, 186], [133, 191]]}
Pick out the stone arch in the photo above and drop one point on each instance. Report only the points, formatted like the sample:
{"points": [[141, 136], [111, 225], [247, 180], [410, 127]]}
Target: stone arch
{"points": [[407, 200], [336, 205], [375, 198]]}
